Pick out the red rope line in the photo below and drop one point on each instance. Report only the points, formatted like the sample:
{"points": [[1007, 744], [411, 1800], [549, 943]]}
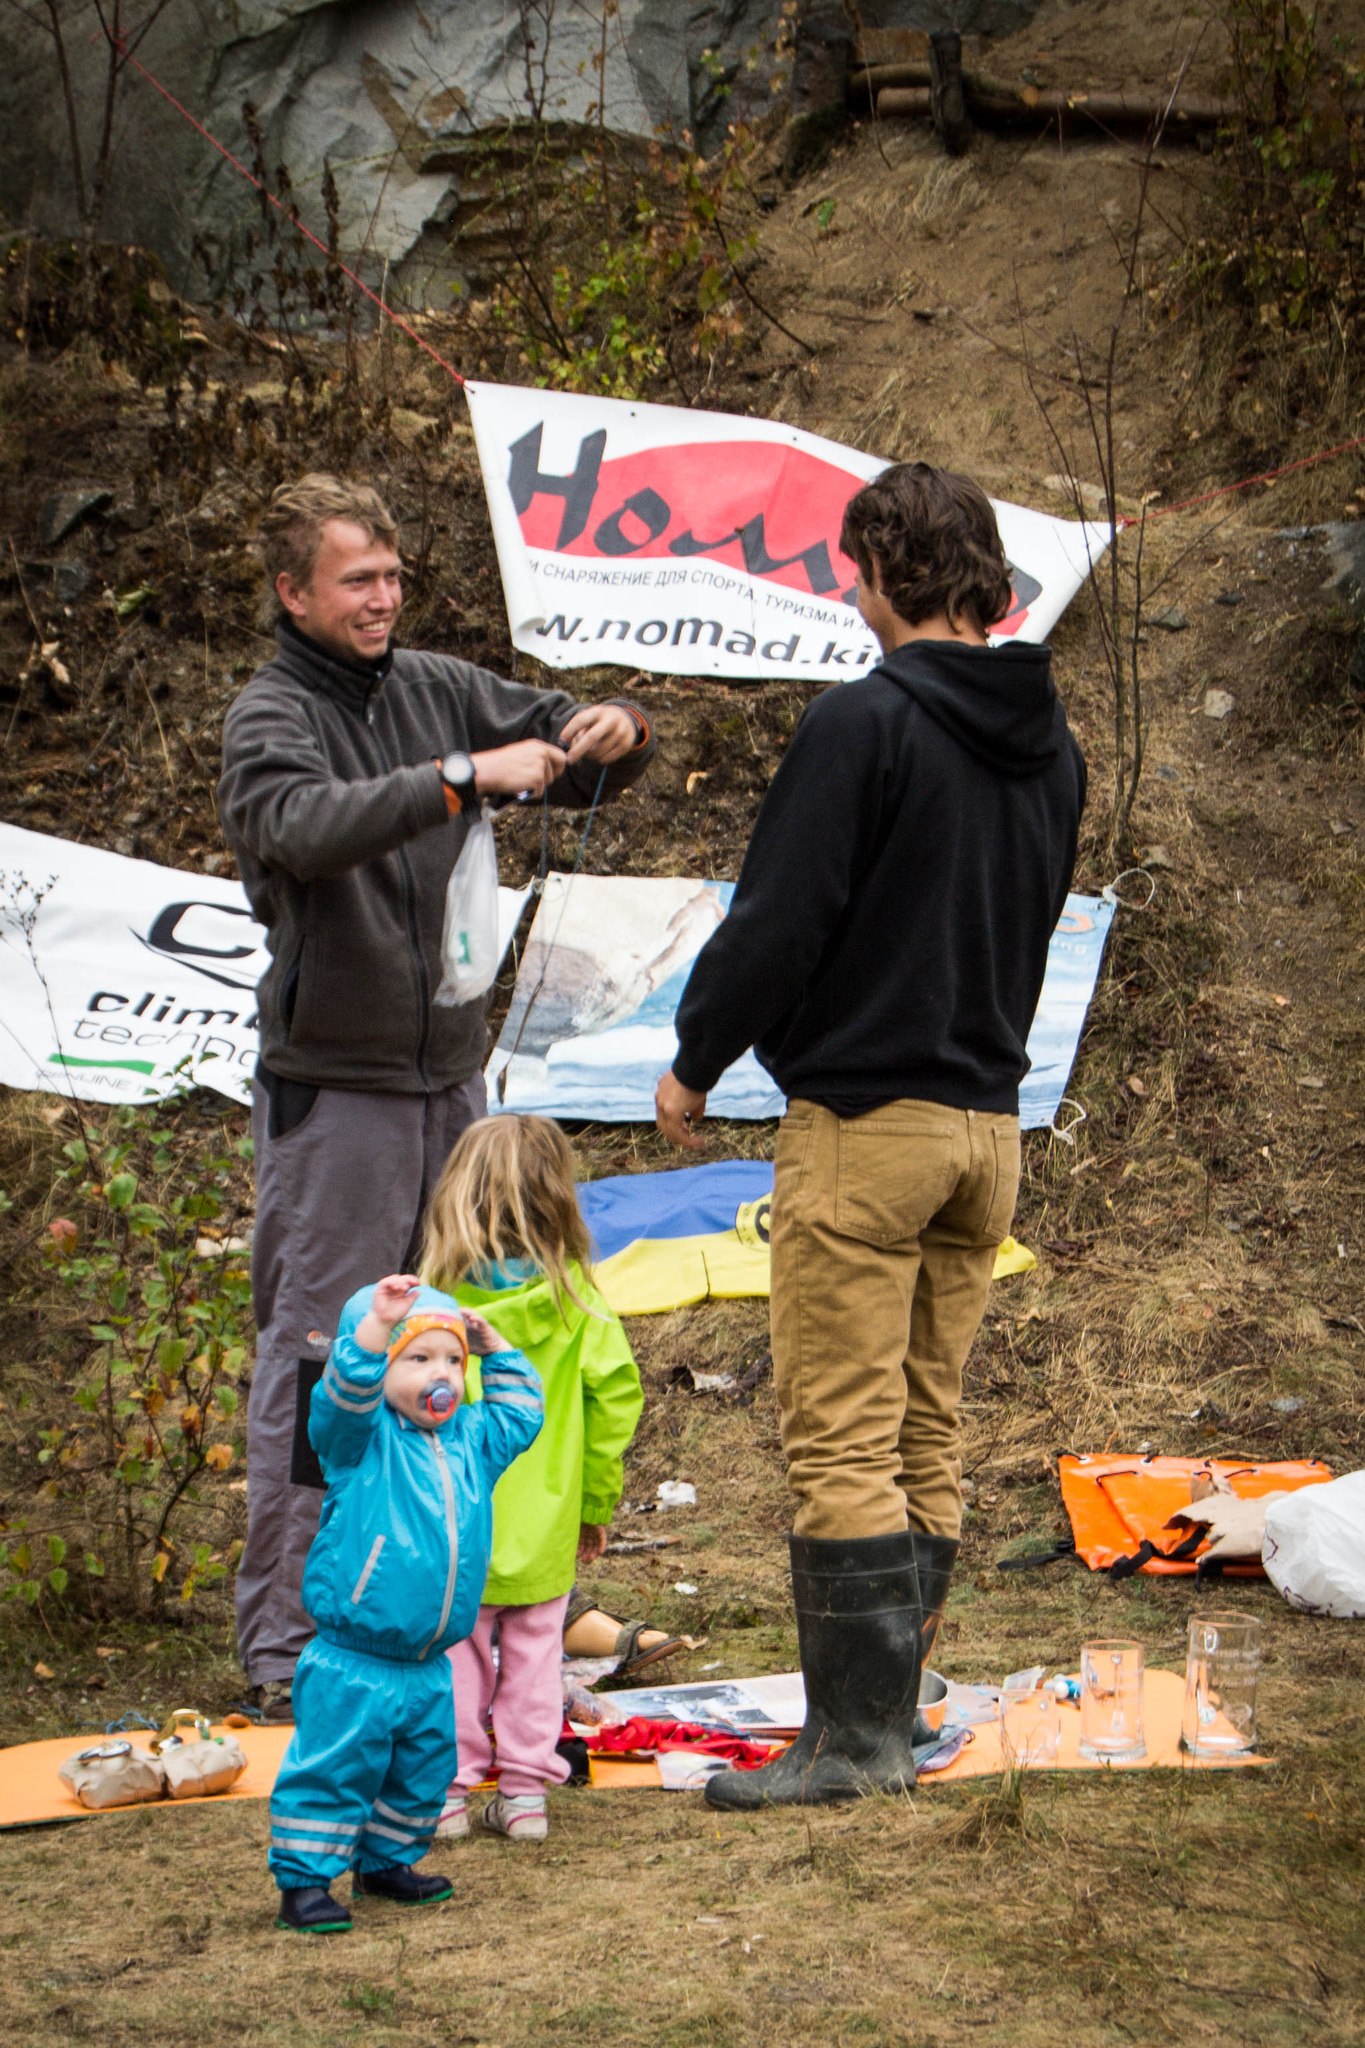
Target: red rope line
{"points": [[1267, 476], [292, 218]]}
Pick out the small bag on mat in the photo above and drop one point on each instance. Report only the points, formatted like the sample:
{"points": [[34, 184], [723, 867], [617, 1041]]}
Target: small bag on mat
{"points": [[113, 1774], [194, 1770], [469, 936]]}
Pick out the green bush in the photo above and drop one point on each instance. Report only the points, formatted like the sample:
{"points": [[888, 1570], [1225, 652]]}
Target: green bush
{"points": [[128, 1460], [1285, 242]]}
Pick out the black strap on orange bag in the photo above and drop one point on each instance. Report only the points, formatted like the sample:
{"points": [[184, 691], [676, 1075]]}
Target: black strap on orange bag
{"points": [[1119, 1507]]}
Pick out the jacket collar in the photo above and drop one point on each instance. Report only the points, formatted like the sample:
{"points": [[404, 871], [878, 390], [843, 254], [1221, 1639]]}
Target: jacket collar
{"points": [[351, 683], [526, 1314]]}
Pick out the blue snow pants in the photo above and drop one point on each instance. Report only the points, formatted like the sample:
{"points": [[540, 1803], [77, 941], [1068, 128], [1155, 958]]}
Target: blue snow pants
{"points": [[364, 1779]]}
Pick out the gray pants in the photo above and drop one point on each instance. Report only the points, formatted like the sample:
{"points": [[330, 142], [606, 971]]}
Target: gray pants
{"points": [[339, 1203]]}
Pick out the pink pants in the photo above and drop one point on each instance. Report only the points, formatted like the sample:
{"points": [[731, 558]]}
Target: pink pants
{"points": [[515, 1705]]}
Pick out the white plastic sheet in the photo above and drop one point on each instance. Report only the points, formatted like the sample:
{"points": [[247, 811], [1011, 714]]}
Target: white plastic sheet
{"points": [[1314, 1547]]}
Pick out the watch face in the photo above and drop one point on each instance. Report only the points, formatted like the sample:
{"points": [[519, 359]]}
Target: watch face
{"points": [[457, 770]]}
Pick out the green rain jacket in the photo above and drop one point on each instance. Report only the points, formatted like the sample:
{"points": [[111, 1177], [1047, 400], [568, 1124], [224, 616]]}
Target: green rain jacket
{"points": [[572, 1472]]}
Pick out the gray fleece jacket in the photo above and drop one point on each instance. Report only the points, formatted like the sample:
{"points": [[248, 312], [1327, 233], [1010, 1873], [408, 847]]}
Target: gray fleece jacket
{"points": [[332, 802]]}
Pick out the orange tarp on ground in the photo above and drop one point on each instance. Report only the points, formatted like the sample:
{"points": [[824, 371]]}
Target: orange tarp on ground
{"points": [[32, 1793]]}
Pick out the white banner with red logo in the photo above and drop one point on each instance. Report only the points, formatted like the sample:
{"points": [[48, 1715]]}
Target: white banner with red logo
{"points": [[121, 981], [700, 543]]}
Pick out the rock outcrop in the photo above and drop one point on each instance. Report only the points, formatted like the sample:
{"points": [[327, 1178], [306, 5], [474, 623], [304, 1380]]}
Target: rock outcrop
{"points": [[383, 92]]}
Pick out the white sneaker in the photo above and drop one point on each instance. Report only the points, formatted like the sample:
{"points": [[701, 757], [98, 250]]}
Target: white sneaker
{"points": [[521, 1816], [453, 1825]]}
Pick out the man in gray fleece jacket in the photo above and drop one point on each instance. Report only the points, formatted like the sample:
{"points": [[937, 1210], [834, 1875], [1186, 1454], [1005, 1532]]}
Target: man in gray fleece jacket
{"points": [[351, 770]]}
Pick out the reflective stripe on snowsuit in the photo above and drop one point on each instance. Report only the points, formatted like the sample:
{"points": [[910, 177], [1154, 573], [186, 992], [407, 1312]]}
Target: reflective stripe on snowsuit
{"points": [[365, 1775]]}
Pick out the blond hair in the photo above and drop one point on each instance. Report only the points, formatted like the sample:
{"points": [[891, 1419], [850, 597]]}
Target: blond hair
{"points": [[290, 532], [507, 1192]]}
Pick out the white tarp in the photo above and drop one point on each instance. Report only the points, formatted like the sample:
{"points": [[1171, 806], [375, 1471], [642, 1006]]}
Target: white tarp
{"points": [[701, 543], [590, 1028], [121, 981]]}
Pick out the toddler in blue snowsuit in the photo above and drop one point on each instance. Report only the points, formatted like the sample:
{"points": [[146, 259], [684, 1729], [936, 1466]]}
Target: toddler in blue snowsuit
{"points": [[394, 1577]]}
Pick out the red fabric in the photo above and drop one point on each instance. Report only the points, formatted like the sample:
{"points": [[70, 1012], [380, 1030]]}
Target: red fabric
{"points": [[642, 1734]]}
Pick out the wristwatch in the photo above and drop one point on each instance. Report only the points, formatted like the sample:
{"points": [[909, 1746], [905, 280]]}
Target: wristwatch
{"points": [[457, 773]]}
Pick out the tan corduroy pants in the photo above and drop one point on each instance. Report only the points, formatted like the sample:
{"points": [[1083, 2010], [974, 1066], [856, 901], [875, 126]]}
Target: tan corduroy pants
{"points": [[884, 1236]]}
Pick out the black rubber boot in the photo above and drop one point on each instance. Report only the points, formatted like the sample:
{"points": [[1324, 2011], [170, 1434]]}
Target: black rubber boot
{"points": [[311, 1909], [401, 1886], [935, 1557], [857, 1622]]}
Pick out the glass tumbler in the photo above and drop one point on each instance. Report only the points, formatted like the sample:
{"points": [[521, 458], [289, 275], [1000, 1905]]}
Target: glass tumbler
{"points": [[1222, 1667], [1111, 1702], [1030, 1729]]}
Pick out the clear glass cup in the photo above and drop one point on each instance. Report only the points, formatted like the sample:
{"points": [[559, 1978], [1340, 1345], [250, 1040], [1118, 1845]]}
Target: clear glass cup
{"points": [[1030, 1729], [1111, 1702], [1222, 1667]]}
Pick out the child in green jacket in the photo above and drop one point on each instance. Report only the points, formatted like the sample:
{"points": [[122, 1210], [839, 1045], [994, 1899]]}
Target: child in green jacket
{"points": [[504, 1228]]}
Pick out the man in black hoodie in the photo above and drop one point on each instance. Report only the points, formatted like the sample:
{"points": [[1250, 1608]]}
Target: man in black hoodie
{"points": [[884, 954]]}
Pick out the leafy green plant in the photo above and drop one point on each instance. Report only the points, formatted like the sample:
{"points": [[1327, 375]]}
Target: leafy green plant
{"points": [[608, 264], [1285, 242], [148, 1421]]}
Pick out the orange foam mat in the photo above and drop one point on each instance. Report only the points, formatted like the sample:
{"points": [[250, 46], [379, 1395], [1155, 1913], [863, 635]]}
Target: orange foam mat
{"points": [[1163, 1704], [31, 1792]]}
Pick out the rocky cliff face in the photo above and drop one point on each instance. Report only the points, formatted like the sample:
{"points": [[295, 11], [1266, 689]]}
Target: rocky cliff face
{"points": [[383, 91]]}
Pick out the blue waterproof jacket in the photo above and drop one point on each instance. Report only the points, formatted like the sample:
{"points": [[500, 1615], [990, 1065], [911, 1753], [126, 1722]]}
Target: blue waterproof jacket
{"points": [[398, 1565]]}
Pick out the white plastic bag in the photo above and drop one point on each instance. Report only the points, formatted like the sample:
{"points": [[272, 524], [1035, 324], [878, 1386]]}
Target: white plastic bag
{"points": [[469, 938], [1314, 1548]]}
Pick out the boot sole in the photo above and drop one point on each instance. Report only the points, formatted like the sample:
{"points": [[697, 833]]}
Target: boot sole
{"points": [[318, 1927], [383, 1898], [806, 1794], [841, 1798]]}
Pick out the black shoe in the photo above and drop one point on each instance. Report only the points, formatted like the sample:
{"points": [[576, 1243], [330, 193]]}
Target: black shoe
{"points": [[311, 1909], [935, 1557], [858, 1626], [401, 1886]]}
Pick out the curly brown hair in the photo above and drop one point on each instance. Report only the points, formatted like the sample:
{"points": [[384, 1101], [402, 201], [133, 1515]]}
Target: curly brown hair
{"points": [[930, 537], [290, 532]]}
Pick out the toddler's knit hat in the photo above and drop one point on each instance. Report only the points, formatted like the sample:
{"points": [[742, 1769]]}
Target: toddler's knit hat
{"points": [[421, 1319]]}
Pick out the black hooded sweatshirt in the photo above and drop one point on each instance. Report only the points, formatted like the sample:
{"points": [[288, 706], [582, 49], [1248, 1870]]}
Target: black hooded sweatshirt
{"points": [[889, 932]]}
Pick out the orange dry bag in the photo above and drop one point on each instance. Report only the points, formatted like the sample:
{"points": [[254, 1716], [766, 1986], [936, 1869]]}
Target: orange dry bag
{"points": [[1119, 1508]]}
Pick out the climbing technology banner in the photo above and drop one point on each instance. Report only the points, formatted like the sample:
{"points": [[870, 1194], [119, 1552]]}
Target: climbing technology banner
{"points": [[121, 981], [702, 543], [590, 1027]]}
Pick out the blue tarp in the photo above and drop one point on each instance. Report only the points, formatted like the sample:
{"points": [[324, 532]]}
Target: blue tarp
{"points": [[691, 1201]]}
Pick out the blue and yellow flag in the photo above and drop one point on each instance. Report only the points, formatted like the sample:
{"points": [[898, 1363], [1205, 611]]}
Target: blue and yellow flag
{"points": [[666, 1240]]}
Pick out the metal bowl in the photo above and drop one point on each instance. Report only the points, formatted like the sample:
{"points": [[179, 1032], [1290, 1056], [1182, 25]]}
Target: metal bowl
{"points": [[933, 1699]]}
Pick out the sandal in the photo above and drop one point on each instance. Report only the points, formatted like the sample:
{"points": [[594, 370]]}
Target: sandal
{"points": [[621, 1640], [631, 1657]]}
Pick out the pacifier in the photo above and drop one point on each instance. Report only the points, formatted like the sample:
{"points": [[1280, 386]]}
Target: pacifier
{"points": [[438, 1400]]}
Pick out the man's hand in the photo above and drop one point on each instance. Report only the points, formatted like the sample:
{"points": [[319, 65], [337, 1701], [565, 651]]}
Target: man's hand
{"points": [[677, 1110], [601, 733], [524, 768], [592, 1541]]}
